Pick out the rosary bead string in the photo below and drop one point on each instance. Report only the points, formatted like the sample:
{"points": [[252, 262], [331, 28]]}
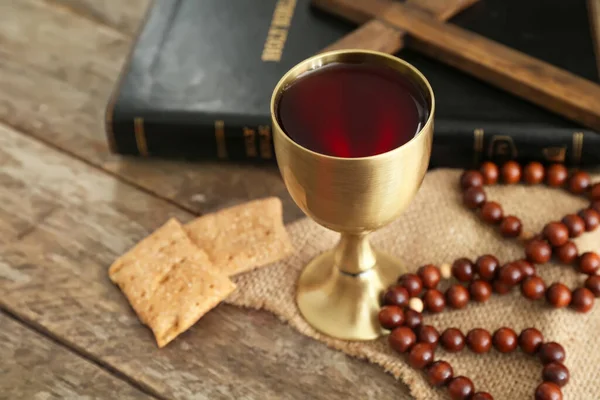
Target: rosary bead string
{"points": [[476, 280]]}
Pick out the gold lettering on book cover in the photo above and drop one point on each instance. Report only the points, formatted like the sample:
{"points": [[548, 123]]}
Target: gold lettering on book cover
{"points": [[478, 145], [502, 147], [250, 141], [264, 133], [278, 30], [577, 147], [220, 138], [555, 154], [140, 136]]}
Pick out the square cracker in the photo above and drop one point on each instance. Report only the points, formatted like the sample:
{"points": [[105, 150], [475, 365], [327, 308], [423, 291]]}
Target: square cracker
{"points": [[152, 276], [167, 242], [243, 237], [148, 261], [181, 298]]}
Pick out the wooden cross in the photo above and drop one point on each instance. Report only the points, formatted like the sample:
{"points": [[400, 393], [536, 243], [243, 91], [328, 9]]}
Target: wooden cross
{"points": [[387, 21], [378, 35]]}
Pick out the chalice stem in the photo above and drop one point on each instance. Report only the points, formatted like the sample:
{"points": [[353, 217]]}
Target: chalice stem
{"points": [[340, 289], [354, 254]]}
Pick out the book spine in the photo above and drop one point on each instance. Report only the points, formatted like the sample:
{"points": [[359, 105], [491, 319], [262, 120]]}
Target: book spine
{"points": [[194, 138], [456, 144], [459, 144]]}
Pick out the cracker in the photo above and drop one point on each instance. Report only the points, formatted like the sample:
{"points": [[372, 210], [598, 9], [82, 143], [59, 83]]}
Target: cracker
{"points": [[182, 297], [152, 276], [148, 261], [243, 237], [167, 241]]}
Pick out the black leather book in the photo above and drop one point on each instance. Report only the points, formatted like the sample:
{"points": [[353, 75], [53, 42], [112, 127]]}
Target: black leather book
{"points": [[199, 79]]}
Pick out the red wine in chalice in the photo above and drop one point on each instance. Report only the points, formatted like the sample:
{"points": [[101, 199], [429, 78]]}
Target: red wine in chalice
{"points": [[352, 110]]}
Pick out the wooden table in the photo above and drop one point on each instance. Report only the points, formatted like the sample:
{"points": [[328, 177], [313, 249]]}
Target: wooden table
{"points": [[68, 208]]}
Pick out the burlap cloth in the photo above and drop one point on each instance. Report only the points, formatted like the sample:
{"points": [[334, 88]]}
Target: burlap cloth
{"points": [[436, 228]]}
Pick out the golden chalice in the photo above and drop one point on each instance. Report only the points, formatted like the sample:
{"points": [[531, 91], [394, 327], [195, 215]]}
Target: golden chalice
{"points": [[339, 291]]}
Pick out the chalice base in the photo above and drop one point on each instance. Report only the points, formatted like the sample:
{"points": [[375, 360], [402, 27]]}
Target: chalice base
{"points": [[342, 305]]}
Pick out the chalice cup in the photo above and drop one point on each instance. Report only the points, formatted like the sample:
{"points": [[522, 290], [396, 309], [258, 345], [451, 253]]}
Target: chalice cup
{"points": [[339, 291]]}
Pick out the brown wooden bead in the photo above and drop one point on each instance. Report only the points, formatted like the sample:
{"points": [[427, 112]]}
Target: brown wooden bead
{"points": [[511, 172], [505, 340], [591, 218], [461, 388], [439, 373], [533, 288], [490, 172], [556, 233], [396, 296], [558, 295], [534, 173], [510, 274], [428, 334], [480, 290], [474, 197], [511, 226], [452, 340], [556, 373], [551, 352], [421, 355], [589, 263], [457, 296], [583, 300], [486, 266], [567, 253], [463, 270], [538, 251], [482, 396], [556, 175], [412, 319], [595, 192], [471, 178], [391, 317], [434, 301], [501, 288], [527, 268], [412, 283], [593, 284], [595, 205], [402, 339], [575, 224], [530, 340], [491, 212], [548, 391], [479, 340], [430, 276], [579, 182]]}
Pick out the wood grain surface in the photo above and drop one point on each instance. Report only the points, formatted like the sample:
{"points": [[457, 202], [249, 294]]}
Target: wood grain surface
{"points": [[121, 16], [534, 80], [34, 367], [69, 221]]}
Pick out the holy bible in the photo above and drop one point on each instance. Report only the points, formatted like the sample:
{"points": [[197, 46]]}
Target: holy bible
{"points": [[198, 81]]}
